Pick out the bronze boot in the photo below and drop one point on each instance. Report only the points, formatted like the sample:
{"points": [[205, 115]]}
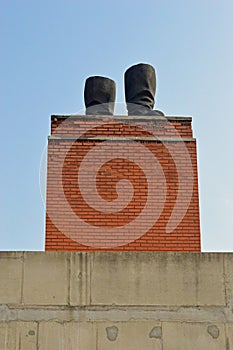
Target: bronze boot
{"points": [[99, 95], [140, 87]]}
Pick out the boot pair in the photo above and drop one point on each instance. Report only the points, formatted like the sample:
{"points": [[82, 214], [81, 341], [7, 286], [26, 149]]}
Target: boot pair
{"points": [[140, 86]]}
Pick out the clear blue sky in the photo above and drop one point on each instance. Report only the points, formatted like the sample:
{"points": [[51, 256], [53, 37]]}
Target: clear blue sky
{"points": [[48, 48]]}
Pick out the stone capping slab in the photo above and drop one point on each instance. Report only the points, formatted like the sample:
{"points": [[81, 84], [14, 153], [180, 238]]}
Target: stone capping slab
{"points": [[121, 118], [123, 138]]}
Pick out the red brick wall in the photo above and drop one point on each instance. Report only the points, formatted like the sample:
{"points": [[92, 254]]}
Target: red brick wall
{"points": [[172, 147]]}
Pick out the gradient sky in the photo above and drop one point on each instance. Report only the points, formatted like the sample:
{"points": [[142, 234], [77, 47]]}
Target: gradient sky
{"points": [[48, 48]]}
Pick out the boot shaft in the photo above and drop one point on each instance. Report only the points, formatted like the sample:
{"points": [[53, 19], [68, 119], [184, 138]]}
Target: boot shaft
{"points": [[140, 87], [99, 95]]}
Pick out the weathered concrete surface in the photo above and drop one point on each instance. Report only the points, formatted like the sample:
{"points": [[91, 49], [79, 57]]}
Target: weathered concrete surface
{"points": [[99, 301], [45, 279], [130, 336], [192, 336], [133, 335], [70, 336], [229, 336], [11, 269], [18, 335], [157, 279], [80, 279]]}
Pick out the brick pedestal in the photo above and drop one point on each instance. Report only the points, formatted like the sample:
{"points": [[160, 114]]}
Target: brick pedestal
{"points": [[159, 211]]}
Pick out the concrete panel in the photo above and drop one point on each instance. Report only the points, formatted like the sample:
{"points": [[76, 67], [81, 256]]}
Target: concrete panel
{"points": [[87, 336], [67, 336], [46, 279], [129, 336], [193, 336], [3, 336], [11, 267], [157, 279], [209, 272], [228, 267], [20, 335], [229, 336], [52, 336], [80, 279]]}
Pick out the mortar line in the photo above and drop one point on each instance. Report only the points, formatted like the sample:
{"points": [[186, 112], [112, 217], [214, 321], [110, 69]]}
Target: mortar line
{"points": [[90, 275], [68, 258], [20, 340], [226, 338], [22, 278], [121, 138], [37, 335], [97, 337], [224, 282], [6, 337], [85, 314], [81, 282], [161, 336], [86, 267]]}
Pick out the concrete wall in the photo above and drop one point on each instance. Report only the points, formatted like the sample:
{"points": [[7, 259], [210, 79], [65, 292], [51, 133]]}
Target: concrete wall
{"points": [[121, 300]]}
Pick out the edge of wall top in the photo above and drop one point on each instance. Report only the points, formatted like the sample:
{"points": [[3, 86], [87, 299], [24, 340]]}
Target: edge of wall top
{"points": [[121, 117]]}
